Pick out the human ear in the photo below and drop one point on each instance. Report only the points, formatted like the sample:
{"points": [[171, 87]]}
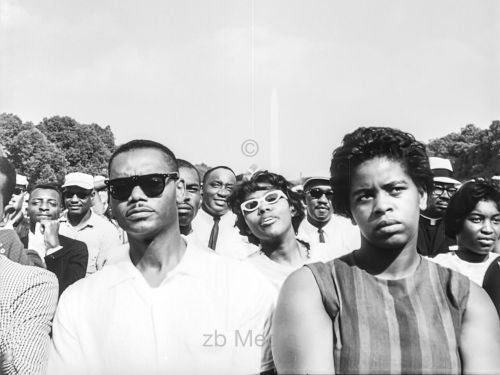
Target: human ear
{"points": [[422, 204]]}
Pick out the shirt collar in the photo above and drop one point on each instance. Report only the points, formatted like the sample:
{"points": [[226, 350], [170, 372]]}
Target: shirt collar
{"points": [[191, 264]]}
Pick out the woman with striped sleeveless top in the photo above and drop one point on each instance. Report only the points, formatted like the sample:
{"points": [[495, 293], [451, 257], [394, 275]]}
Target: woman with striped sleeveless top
{"points": [[383, 308]]}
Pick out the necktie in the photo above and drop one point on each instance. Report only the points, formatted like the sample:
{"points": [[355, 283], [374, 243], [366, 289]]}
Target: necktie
{"points": [[212, 242], [321, 235]]}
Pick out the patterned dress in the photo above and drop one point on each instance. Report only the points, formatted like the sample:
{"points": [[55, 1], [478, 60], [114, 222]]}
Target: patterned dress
{"points": [[410, 325]]}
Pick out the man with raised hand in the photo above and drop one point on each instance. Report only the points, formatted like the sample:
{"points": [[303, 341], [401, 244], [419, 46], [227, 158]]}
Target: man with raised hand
{"points": [[170, 306]]}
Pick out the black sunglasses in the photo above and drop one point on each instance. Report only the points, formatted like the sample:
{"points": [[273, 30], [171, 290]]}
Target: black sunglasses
{"points": [[317, 193], [151, 184], [18, 190], [68, 194]]}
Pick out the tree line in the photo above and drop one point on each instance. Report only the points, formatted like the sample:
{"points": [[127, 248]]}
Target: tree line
{"points": [[59, 145]]}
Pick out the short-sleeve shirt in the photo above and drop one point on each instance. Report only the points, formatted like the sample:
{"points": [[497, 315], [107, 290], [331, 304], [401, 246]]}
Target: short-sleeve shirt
{"points": [[211, 315]]}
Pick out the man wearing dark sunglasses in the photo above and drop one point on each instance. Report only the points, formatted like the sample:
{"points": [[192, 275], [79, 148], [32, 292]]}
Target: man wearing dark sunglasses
{"points": [[432, 239], [333, 234], [170, 306], [80, 223]]}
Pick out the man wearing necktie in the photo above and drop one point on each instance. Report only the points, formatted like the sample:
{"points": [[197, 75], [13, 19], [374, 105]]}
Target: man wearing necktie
{"points": [[332, 233], [215, 223]]}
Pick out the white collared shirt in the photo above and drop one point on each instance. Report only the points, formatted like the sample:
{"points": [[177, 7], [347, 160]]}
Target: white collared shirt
{"points": [[209, 315], [229, 241], [96, 232], [341, 237]]}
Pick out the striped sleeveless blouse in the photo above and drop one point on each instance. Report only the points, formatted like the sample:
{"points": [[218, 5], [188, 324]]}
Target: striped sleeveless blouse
{"points": [[404, 326]]}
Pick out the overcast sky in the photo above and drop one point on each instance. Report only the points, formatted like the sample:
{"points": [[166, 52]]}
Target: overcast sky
{"points": [[199, 75]]}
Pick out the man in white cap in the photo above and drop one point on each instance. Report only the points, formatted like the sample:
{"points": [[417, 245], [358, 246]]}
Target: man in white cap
{"points": [[80, 223], [431, 237], [321, 228]]}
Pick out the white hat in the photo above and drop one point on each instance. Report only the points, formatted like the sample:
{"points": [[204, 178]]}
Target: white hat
{"points": [[21, 180], [99, 182], [83, 180], [321, 180], [442, 170]]}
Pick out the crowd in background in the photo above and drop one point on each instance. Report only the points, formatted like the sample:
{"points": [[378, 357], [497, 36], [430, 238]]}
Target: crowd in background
{"points": [[158, 268]]}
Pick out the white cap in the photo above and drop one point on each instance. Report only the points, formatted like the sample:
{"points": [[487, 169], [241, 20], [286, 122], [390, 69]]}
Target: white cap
{"points": [[442, 170], [21, 180], [83, 180], [99, 182]]}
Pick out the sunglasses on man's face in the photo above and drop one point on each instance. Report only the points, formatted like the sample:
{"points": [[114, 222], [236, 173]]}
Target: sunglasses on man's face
{"points": [[18, 190], [68, 194], [317, 193], [270, 198], [151, 184]]}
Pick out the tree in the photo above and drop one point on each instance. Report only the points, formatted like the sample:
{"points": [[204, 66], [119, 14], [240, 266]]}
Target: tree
{"points": [[87, 148], [34, 156], [473, 152], [10, 127]]}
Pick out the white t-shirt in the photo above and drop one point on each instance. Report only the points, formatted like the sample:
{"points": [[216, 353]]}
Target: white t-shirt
{"points": [[474, 271], [211, 315]]}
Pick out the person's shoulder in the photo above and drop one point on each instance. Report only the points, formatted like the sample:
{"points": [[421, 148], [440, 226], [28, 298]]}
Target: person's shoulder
{"points": [[17, 276], [72, 243], [99, 282], [240, 272]]}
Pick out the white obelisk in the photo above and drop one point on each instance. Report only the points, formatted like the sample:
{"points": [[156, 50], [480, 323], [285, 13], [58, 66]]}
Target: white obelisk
{"points": [[274, 135]]}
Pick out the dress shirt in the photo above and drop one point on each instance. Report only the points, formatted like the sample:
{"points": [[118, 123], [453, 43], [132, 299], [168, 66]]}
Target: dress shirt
{"points": [[28, 298], [341, 237], [229, 241], [193, 323], [96, 232]]}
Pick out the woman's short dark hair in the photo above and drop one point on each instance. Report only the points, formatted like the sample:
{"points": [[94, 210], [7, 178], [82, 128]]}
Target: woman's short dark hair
{"points": [[463, 202], [263, 180], [366, 143]]}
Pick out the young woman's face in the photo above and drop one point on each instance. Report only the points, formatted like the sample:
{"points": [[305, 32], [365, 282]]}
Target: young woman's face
{"points": [[385, 203], [481, 229], [270, 221]]}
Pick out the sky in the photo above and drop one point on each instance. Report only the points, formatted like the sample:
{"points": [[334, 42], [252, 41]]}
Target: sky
{"points": [[204, 77]]}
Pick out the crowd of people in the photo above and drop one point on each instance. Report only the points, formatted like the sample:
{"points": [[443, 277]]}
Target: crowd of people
{"points": [[388, 265]]}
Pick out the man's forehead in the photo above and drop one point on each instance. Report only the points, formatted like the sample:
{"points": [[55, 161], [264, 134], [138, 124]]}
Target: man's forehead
{"points": [[221, 174], [189, 175], [143, 160], [443, 184], [44, 193], [321, 185]]}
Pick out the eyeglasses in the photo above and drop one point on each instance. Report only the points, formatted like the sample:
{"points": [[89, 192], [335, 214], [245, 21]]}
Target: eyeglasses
{"points": [[18, 190], [439, 190], [68, 194], [317, 193], [151, 184], [271, 198]]}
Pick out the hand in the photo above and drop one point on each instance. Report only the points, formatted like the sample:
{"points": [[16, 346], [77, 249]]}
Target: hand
{"points": [[6, 360], [50, 230], [13, 215]]}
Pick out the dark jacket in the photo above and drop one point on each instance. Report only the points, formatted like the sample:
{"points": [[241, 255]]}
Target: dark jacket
{"points": [[69, 263], [431, 237]]}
